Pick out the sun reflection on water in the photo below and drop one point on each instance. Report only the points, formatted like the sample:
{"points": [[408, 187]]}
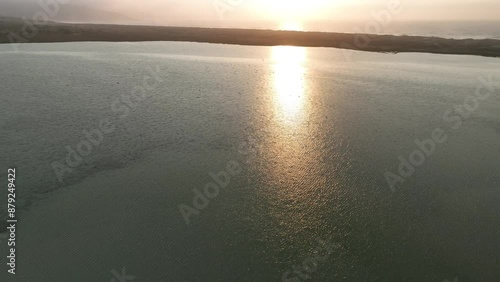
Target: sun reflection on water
{"points": [[289, 164], [289, 142], [289, 84]]}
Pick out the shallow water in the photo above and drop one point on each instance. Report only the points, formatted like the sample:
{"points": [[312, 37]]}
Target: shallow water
{"points": [[313, 131]]}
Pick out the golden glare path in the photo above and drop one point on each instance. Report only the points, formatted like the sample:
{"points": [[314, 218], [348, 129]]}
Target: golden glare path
{"points": [[290, 166], [289, 76]]}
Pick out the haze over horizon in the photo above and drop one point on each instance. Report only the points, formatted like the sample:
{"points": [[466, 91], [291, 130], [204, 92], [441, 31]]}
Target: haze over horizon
{"points": [[260, 13]]}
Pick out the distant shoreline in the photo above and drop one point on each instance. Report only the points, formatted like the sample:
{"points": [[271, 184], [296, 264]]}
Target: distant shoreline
{"points": [[12, 32]]}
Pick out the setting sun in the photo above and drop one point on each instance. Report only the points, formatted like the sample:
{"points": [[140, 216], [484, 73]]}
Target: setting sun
{"points": [[291, 25]]}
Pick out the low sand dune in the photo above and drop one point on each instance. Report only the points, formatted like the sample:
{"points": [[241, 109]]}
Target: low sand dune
{"points": [[12, 31]]}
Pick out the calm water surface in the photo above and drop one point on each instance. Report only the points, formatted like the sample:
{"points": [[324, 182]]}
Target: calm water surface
{"points": [[313, 131]]}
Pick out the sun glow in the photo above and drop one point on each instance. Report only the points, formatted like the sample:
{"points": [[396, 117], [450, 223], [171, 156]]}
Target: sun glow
{"points": [[291, 25]]}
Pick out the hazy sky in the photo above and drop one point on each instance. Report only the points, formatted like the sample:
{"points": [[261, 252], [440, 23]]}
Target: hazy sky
{"points": [[278, 11]]}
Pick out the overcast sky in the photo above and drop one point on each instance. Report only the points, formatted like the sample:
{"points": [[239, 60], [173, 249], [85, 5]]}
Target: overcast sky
{"points": [[193, 11]]}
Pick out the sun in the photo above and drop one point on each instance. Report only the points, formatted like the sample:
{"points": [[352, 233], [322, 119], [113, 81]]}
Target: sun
{"points": [[291, 25]]}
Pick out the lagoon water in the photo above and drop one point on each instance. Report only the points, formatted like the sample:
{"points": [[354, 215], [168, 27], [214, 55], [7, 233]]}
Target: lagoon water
{"points": [[313, 131]]}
